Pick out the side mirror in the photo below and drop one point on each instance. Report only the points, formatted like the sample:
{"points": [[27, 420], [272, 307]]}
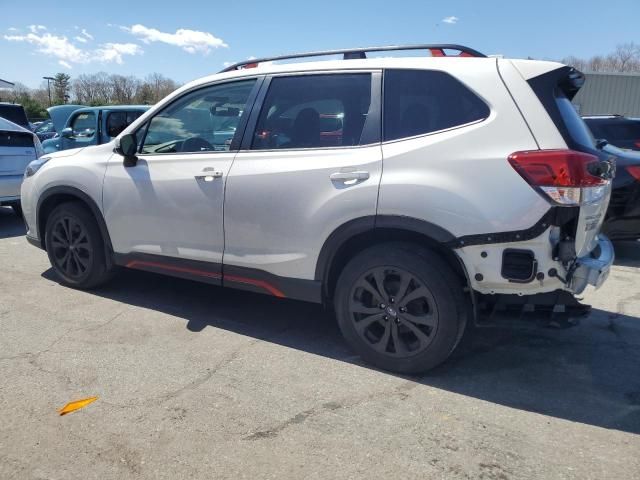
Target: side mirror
{"points": [[127, 146], [67, 132]]}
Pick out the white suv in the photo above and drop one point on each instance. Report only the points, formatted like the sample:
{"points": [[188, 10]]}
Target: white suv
{"points": [[405, 192]]}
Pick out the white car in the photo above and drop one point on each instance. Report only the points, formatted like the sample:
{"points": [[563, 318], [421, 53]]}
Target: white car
{"points": [[404, 192], [18, 148]]}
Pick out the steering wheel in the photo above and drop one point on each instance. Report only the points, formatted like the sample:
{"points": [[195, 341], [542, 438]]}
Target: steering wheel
{"points": [[196, 144]]}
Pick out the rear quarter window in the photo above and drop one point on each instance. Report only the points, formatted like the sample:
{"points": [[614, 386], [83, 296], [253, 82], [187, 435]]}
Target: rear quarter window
{"points": [[418, 102]]}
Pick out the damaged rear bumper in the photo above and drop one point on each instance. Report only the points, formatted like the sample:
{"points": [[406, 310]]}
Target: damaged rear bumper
{"points": [[594, 268]]}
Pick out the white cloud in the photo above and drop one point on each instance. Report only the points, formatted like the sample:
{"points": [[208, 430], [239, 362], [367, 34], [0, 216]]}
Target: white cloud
{"points": [[80, 39], [36, 28], [58, 47], [113, 52], [191, 41], [65, 51], [452, 20], [87, 34], [13, 29]]}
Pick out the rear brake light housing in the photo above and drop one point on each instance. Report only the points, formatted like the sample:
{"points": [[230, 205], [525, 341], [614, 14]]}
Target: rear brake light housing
{"points": [[634, 171], [565, 177]]}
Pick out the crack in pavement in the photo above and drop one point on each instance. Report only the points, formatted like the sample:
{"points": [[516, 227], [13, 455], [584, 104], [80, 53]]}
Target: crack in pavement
{"points": [[35, 355], [301, 417], [199, 381]]}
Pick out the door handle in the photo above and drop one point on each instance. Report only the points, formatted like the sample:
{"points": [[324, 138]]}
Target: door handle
{"points": [[349, 176], [209, 176]]}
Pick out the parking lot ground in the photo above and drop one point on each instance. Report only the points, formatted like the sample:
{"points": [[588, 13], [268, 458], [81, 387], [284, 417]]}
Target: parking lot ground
{"points": [[199, 382]]}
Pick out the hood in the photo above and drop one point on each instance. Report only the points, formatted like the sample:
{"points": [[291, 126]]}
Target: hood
{"points": [[60, 114], [64, 153], [7, 126]]}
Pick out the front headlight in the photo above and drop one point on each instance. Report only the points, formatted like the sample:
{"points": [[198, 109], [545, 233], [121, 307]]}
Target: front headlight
{"points": [[34, 166]]}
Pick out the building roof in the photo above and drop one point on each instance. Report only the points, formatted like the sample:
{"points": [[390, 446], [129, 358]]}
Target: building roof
{"points": [[4, 84]]}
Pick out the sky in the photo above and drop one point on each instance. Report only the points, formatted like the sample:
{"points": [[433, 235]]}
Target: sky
{"points": [[188, 39]]}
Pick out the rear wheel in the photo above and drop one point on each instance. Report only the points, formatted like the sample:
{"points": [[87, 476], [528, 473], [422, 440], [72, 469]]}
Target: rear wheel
{"points": [[75, 247], [400, 307]]}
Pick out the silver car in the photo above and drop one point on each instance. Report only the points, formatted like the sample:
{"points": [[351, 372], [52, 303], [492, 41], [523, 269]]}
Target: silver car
{"points": [[18, 147]]}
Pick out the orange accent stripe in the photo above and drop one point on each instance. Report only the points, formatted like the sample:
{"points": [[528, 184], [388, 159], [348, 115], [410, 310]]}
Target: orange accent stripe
{"points": [[201, 273], [232, 278], [258, 283]]}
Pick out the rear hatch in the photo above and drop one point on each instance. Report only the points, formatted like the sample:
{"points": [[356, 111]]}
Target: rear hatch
{"points": [[16, 151], [555, 89]]}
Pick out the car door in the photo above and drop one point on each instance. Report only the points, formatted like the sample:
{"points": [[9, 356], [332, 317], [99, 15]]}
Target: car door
{"points": [[310, 162], [84, 126], [165, 213]]}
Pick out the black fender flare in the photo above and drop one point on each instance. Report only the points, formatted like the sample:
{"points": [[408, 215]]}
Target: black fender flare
{"points": [[83, 197], [360, 225]]}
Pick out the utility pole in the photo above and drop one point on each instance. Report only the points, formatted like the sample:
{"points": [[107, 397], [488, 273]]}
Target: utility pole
{"points": [[49, 79]]}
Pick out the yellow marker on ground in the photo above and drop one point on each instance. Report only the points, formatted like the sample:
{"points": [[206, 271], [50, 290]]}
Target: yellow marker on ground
{"points": [[77, 405]]}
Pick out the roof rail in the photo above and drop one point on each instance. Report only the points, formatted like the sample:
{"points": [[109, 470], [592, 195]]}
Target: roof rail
{"points": [[437, 50]]}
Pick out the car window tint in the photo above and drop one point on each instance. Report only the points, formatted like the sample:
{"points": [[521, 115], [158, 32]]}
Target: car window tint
{"points": [[417, 102], [84, 125], [200, 121], [116, 123], [314, 111]]}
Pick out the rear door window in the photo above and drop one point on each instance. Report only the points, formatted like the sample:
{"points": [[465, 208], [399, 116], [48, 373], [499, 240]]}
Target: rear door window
{"points": [[314, 111], [418, 102], [118, 121]]}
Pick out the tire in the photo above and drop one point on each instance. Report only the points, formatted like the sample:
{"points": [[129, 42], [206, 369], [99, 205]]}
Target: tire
{"points": [[17, 209], [406, 333], [85, 266]]}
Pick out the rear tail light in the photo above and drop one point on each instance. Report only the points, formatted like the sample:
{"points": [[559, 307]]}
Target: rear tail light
{"points": [[634, 170], [564, 176]]}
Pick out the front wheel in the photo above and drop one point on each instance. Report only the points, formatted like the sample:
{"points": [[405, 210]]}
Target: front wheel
{"points": [[400, 307], [75, 247]]}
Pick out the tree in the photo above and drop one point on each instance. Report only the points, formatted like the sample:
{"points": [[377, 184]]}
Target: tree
{"points": [[124, 88], [625, 58], [61, 88], [21, 94]]}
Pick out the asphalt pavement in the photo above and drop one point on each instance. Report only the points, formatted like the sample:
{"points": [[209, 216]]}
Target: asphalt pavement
{"points": [[196, 381]]}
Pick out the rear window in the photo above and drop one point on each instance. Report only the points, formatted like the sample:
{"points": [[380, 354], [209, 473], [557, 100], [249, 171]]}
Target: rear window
{"points": [[417, 102], [578, 130], [16, 139], [15, 114]]}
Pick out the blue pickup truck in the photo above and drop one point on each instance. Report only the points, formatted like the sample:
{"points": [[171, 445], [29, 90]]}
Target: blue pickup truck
{"points": [[93, 126]]}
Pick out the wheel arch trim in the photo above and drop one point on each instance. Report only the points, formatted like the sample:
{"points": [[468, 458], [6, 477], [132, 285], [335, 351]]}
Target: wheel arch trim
{"points": [[84, 198], [349, 230]]}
